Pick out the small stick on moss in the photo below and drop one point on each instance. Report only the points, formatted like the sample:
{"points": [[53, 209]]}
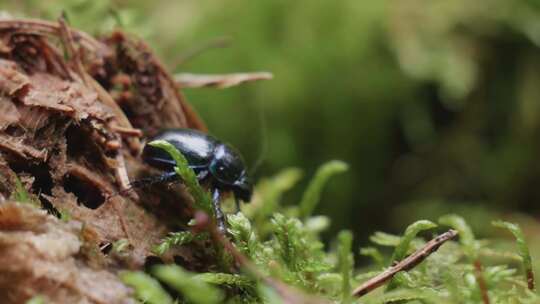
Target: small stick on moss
{"points": [[406, 264]]}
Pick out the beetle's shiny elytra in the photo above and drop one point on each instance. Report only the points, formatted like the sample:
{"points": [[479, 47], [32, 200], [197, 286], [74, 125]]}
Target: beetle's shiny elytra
{"points": [[210, 159]]}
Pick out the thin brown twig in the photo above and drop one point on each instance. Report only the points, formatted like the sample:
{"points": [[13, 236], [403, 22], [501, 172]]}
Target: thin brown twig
{"points": [[220, 81], [406, 264]]}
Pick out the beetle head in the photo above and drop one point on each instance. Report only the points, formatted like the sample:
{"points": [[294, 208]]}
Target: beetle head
{"points": [[243, 188], [229, 169]]}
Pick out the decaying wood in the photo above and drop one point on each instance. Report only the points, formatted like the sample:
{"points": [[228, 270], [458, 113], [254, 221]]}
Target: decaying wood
{"points": [[69, 131], [158, 103], [39, 253], [47, 28]]}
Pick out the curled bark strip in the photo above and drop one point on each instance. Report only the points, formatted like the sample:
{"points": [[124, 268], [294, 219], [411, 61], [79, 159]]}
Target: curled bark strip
{"points": [[186, 80], [406, 264], [16, 146], [8, 113]]}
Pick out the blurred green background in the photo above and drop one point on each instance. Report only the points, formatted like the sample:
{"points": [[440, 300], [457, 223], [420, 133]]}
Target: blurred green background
{"points": [[435, 104]]}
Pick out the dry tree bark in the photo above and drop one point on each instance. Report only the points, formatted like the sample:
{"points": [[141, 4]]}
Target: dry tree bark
{"points": [[74, 112], [39, 256]]}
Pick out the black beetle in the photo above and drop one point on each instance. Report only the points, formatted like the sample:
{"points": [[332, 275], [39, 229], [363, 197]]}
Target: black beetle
{"points": [[212, 160]]}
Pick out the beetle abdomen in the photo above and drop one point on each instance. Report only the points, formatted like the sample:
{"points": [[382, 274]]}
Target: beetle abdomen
{"points": [[196, 147]]}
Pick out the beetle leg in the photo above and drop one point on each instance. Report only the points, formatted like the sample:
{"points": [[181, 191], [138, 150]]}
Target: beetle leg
{"points": [[202, 175], [148, 181], [237, 203], [169, 177], [220, 217]]}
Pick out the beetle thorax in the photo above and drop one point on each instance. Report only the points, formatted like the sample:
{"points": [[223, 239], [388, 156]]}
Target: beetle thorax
{"points": [[227, 165]]}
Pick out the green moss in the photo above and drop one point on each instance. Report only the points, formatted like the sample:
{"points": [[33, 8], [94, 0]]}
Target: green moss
{"points": [[201, 199], [192, 287], [312, 195], [147, 289], [410, 233], [523, 249], [176, 239], [346, 265], [289, 249], [20, 194], [36, 300]]}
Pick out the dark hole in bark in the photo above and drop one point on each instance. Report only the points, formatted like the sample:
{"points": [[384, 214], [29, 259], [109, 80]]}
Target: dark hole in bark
{"points": [[87, 194], [80, 143], [42, 184], [47, 205], [151, 261], [180, 261], [14, 130], [42, 178], [75, 141]]}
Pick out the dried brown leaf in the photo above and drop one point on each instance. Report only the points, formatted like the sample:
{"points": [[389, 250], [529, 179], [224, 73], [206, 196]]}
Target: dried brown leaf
{"points": [[186, 80], [11, 80], [8, 113]]}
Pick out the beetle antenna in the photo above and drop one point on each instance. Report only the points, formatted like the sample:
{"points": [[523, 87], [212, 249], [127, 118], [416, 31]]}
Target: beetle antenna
{"points": [[146, 181], [263, 143]]}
